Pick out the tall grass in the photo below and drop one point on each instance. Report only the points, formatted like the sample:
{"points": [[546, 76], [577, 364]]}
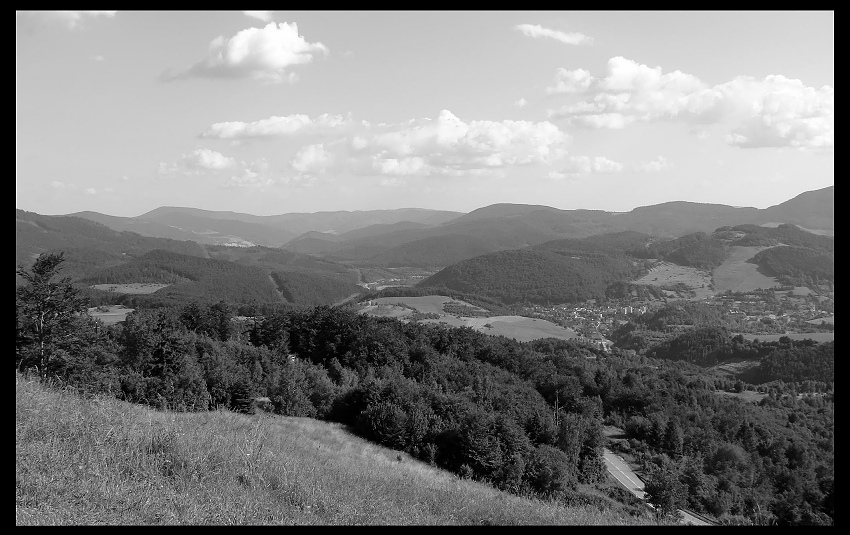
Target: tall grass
{"points": [[101, 461]]}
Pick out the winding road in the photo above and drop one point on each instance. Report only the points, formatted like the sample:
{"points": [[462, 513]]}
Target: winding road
{"points": [[618, 468]]}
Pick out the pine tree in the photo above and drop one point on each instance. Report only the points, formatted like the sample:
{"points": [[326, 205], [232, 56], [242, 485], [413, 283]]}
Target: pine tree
{"points": [[47, 312]]}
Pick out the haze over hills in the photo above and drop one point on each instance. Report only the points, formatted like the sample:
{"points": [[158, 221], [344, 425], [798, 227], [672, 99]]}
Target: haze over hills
{"points": [[340, 242]]}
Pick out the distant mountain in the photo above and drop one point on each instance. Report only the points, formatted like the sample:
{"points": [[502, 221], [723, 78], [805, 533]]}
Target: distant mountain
{"points": [[337, 222], [530, 276], [381, 229], [88, 245], [222, 227], [811, 210], [674, 219]]}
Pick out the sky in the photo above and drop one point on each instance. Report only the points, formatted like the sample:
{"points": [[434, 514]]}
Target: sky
{"points": [[272, 112]]}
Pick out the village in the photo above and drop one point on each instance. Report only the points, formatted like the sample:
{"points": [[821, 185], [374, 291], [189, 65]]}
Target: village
{"points": [[783, 310]]}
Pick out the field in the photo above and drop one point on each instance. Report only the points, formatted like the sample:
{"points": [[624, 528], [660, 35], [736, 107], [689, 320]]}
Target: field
{"points": [[746, 395], [667, 274], [134, 288], [738, 275], [817, 321], [110, 315], [520, 328], [87, 461], [817, 337]]}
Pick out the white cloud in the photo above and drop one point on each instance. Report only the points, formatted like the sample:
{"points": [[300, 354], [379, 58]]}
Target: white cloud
{"points": [[98, 58], [60, 185], [451, 147], [276, 126], [125, 178], [444, 146], [72, 19], [265, 16], [658, 164], [312, 160], [575, 81], [91, 191], [208, 159], [774, 112], [196, 163], [579, 165], [537, 31], [259, 53], [253, 175], [521, 102]]}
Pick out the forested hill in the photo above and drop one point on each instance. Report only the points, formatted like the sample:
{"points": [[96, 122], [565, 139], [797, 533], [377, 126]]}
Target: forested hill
{"points": [[525, 275], [87, 245], [193, 277]]}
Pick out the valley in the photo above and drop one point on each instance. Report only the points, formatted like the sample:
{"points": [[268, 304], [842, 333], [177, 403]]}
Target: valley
{"points": [[494, 345]]}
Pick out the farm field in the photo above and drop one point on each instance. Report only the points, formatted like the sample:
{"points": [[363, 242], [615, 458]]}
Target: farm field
{"points": [[738, 275], [746, 395], [110, 315], [134, 288], [668, 274], [817, 337], [520, 328]]}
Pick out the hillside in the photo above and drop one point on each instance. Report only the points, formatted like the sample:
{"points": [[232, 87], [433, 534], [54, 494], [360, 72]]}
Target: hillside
{"points": [[811, 209], [106, 462], [88, 245], [529, 276], [192, 278]]}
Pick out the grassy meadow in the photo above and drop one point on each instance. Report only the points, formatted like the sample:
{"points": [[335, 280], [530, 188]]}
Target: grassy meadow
{"points": [[738, 275], [519, 328], [95, 460]]}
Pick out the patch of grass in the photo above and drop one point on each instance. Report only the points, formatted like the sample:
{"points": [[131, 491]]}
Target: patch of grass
{"points": [[102, 461]]}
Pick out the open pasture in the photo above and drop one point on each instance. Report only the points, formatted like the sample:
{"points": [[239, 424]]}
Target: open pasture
{"points": [[136, 288], [668, 274], [518, 327], [425, 304], [738, 275], [817, 337], [110, 315]]}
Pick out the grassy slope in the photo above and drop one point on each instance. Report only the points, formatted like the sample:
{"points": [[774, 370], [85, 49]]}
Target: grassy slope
{"points": [[102, 461]]}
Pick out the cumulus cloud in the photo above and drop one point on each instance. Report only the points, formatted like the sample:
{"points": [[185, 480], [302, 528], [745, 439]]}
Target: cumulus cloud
{"points": [[196, 163], [265, 16], [575, 81], [276, 126], [441, 146], [98, 58], [658, 164], [774, 112], [72, 19], [260, 53], [312, 160], [521, 102], [537, 31], [451, 147], [91, 191], [208, 159], [252, 175], [580, 165]]}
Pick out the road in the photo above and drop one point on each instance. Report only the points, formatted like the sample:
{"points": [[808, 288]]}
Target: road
{"points": [[622, 473]]}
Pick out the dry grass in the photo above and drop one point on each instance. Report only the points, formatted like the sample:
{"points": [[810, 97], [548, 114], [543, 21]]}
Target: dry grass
{"points": [[668, 274], [102, 461], [113, 314], [738, 275], [140, 288]]}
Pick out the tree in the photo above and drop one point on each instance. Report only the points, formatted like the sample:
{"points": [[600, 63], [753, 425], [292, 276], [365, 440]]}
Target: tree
{"points": [[48, 312], [664, 492]]}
